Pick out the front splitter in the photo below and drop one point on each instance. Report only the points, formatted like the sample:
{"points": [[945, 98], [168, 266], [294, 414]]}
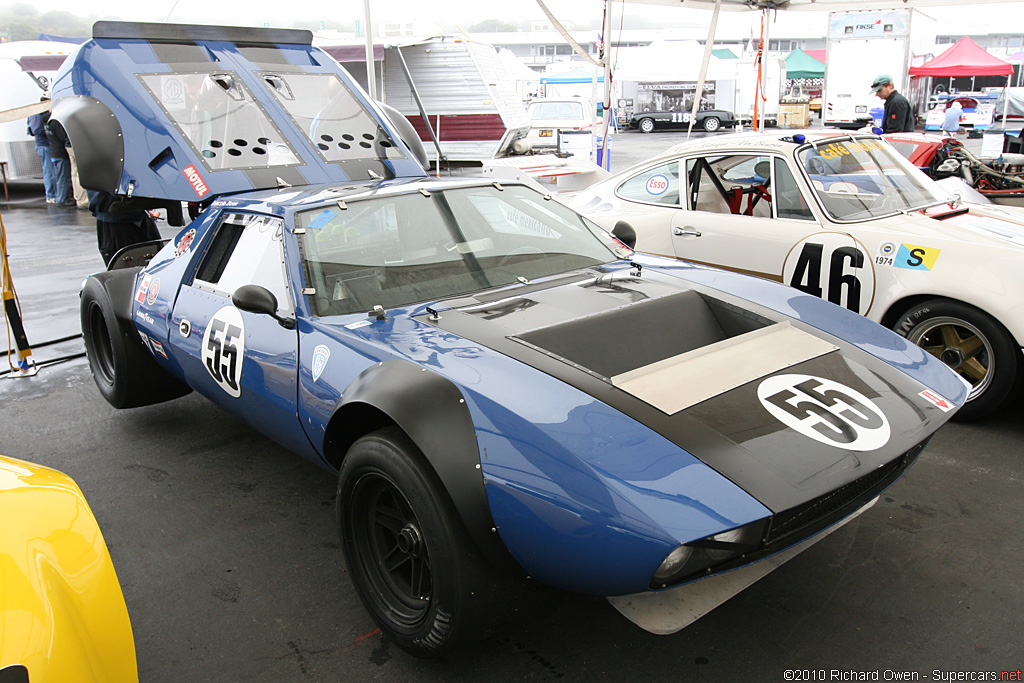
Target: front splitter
{"points": [[669, 611]]}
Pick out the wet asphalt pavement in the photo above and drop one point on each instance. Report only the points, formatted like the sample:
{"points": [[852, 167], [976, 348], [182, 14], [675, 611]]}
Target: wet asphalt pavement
{"points": [[227, 551]]}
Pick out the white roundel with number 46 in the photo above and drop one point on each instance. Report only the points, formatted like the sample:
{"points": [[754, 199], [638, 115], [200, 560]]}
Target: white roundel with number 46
{"points": [[825, 411], [224, 349], [834, 267]]}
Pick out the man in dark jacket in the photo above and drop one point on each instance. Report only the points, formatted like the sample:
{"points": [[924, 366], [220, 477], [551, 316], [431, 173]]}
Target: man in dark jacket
{"points": [[120, 222], [59, 143], [898, 116], [37, 129]]}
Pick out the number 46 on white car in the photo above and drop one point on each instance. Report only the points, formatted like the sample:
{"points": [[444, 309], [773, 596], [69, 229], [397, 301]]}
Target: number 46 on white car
{"points": [[846, 218]]}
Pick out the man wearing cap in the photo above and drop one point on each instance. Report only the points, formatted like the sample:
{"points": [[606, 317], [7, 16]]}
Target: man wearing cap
{"points": [[898, 116]]}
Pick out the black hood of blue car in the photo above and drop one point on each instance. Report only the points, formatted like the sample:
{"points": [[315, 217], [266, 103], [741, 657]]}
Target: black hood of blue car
{"points": [[784, 410]]}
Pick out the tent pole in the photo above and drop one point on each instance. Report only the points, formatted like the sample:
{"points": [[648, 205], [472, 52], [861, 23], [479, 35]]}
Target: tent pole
{"points": [[1006, 98], [708, 47], [371, 71], [764, 59]]}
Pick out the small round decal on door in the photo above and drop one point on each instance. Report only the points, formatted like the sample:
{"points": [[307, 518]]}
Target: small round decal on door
{"points": [[826, 411]]}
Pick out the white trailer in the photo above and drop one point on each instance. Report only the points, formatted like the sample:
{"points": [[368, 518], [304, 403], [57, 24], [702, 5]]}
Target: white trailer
{"points": [[746, 89], [461, 86], [863, 45], [26, 69]]}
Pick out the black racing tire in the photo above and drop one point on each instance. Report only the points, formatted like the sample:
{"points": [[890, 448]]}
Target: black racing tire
{"points": [[646, 125], [435, 591], [125, 373], [711, 124], [973, 344]]}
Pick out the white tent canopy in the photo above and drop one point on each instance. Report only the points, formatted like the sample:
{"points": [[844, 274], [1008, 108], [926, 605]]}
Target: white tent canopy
{"points": [[667, 60], [814, 5]]}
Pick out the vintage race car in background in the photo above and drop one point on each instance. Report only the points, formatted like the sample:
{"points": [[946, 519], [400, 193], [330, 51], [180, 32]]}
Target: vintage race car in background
{"points": [[997, 180], [62, 614], [708, 120], [846, 218], [974, 113], [501, 385]]}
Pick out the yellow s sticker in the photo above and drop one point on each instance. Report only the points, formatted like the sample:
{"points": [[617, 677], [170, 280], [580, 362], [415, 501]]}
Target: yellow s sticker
{"points": [[916, 257]]}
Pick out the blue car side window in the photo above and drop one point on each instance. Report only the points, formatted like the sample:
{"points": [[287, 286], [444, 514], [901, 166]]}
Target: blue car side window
{"points": [[247, 249]]}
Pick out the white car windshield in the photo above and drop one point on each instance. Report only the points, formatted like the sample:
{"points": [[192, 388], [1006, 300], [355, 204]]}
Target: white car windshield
{"points": [[860, 179], [555, 110]]}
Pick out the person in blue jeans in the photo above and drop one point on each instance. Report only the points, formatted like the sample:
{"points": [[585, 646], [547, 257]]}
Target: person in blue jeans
{"points": [[37, 129], [61, 162]]}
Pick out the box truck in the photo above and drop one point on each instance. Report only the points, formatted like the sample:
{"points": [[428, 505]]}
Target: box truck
{"points": [[862, 45]]}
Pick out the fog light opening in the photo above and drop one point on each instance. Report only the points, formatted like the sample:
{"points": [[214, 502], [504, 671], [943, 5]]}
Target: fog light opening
{"points": [[672, 564]]}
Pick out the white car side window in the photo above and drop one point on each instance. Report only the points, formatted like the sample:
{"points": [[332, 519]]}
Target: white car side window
{"points": [[658, 185], [738, 184]]}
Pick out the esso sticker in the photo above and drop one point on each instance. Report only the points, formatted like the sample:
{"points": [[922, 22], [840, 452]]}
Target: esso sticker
{"points": [[224, 349], [826, 411], [657, 185]]}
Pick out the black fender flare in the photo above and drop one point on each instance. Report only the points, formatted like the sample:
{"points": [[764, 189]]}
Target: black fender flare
{"points": [[431, 410], [120, 286], [95, 135]]}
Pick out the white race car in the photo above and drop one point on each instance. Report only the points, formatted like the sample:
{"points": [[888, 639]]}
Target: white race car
{"points": [[847, 218]]}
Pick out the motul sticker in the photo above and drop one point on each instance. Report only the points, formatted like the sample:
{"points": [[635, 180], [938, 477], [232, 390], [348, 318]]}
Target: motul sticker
{"points": [[140, 297], [826, 411], [933, 398], [198, 184], [184, 243]]}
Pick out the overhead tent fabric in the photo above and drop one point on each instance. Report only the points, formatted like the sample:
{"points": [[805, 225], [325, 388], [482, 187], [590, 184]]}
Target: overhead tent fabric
{"points": [[820, 55], [799, 64], [571, 76], [965, 58], [811, 5], [669, 60]]}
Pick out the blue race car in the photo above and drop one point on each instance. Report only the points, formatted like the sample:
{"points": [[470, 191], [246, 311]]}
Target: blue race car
{"points": [[498, 382]]}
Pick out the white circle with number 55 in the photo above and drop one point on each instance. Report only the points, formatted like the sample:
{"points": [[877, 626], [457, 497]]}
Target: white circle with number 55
{"points": [[224, 349], [825, 411]]}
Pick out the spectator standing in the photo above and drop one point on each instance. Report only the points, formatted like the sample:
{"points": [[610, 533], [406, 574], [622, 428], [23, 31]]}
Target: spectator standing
{"points": [[951, 123], [120, 222], [59, 143], [37, 129], [898, 116]]}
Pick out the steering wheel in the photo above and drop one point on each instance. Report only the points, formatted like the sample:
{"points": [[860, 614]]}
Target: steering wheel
{"points": [[887, 201], [818, 166], [520, 251]]}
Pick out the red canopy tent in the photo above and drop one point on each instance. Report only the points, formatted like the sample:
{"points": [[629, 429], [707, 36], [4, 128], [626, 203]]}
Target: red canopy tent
{"points": [[965, 58]]}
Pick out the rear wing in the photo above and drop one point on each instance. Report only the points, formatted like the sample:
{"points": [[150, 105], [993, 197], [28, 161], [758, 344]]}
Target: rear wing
{"points": [[189, 113]]}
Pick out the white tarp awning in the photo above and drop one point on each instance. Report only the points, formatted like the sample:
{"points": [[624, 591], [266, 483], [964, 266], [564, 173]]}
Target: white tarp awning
{"points": [[669, 60], [814, 5]]}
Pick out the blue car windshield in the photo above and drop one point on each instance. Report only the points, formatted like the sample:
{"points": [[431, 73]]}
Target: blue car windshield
{"points": [[411, 248]]}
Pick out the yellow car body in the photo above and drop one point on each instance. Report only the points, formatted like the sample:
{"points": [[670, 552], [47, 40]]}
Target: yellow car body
{"points": [[62, 614]]}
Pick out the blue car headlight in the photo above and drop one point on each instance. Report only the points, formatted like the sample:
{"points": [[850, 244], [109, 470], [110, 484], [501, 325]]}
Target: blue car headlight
{"points": [[703, 556]]}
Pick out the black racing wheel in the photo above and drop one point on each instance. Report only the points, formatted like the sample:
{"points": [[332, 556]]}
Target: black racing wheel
{"points": [[409, 556]]}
